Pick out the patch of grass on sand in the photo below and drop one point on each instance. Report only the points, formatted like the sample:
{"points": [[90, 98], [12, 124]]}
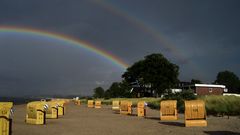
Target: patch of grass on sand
{"points": [[215, 105], [134, 100], [222, 105]]}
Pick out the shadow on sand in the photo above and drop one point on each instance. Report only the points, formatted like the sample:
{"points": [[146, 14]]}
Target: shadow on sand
{"points": [[152, 118], [116, 112], [132, 114], [177, 124], [221, 133]]}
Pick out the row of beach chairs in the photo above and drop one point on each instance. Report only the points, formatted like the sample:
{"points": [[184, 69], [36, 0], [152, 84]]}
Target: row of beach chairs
{"points": [[39, 111], [195, 113]]}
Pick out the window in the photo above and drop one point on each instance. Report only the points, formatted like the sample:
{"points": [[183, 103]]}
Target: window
{"points": [[210, 90]]}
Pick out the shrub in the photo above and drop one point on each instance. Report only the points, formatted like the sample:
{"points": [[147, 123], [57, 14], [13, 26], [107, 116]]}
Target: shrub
{"points": [[149, 101], [154, 104], [83, 101], [180, 97]]}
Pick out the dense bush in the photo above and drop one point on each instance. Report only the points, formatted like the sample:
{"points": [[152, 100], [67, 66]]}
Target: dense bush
{"points": [[154, 104], [180, 97], [84, 100]]}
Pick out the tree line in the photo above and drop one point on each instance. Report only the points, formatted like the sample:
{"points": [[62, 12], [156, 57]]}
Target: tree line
{"points": [[116, 90], [156, 74]]}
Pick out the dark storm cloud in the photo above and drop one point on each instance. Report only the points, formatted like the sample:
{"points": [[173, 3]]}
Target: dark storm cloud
{"points": [[204, 33], [82, 19], [43, 67]]}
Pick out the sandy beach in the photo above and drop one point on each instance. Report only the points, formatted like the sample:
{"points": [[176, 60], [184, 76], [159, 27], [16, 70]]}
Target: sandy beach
{"points": [[80, 120]]}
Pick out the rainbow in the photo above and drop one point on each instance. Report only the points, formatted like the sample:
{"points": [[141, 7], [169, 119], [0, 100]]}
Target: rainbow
{"points": [[70, 40], [153, 32], [142, 25]]}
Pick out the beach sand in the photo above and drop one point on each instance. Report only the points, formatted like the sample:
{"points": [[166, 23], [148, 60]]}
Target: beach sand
{"points": [[80, 120]]}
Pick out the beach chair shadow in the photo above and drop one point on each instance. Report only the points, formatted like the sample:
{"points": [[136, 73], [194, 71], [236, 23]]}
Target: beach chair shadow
{"points": [[177, 124], [153, 118], [221, 133]]}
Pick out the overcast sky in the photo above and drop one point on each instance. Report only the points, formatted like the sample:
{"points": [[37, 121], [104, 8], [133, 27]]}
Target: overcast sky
{"points": [[202, 37]]}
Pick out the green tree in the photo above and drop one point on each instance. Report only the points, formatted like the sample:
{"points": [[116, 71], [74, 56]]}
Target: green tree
{"points": [[114, 90], [154, 72], [118, 89], [230, 80], [125, 86], [98, 92], [196, 81]]}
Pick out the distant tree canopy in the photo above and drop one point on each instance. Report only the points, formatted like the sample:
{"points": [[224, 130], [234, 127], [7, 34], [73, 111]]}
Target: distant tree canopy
{"points": [[154, 71], [98, 92], [118, 89], [230, 80], [196, 81]]}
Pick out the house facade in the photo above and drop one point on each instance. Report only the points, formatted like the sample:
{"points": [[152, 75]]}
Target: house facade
{"points": [[209, 89]]}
